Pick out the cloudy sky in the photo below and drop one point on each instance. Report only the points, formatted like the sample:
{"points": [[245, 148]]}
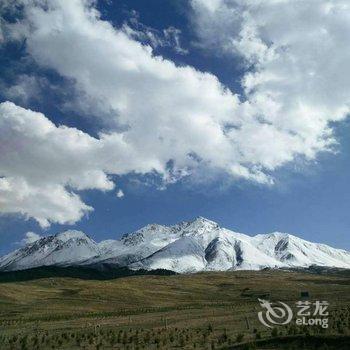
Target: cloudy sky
{"points": [[115, 114]]}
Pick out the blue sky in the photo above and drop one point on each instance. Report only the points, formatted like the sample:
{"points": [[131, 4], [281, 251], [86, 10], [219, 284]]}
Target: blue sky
{"points": [[285, 167]]}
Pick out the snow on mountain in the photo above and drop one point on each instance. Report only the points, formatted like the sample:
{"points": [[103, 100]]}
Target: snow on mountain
{"points": [[192, 246], [183, 255], [294, 251], [134, 246], [203, 245], [64, 248]]}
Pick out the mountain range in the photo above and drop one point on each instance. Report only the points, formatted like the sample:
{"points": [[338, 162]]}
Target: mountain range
{"points": [[190, 246]]}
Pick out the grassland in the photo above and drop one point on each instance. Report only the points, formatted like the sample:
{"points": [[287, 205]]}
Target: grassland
{"points": [[197, 311]]}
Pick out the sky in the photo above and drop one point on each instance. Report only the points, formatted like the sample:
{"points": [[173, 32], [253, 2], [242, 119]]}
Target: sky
{"points": [[117, 114]]}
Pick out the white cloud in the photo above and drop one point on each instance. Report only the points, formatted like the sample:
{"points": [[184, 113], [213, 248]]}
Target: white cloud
{"points": [[25, 87], [168, 37], [30, 237], [172, 36], [297, 79], [176, 119], [39, 160], [120, 193]]}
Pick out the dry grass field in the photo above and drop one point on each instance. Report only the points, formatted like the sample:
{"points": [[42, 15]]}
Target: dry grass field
{"points": [[195, 311]]}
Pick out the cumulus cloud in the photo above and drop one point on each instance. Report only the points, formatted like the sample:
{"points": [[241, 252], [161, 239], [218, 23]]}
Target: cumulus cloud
{"points": [[120, 194], [30, 237], [296, 59], [175, 120], [38, 161]]}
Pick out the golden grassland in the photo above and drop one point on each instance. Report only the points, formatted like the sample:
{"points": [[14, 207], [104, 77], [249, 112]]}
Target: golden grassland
{"points": [[212, 310]]}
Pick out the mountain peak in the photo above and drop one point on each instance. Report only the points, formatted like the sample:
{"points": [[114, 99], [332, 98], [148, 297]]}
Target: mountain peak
{"points": [[71, 234], [202, 221], [151, 227]]}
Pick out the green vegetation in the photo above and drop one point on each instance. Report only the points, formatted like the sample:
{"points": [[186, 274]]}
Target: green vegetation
{"points": [[215, 310], [103, 272]]}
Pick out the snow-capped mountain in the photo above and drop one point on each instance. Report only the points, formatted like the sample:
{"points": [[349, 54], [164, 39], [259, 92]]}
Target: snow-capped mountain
{"points": [[66, 248], [198, 245]]}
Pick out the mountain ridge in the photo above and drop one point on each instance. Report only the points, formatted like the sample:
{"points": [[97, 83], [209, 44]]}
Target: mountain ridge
{"points": [[189, 246]]}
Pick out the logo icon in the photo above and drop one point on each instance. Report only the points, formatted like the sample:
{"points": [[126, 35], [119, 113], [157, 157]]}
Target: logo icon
{"points": [[274, 315]]}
